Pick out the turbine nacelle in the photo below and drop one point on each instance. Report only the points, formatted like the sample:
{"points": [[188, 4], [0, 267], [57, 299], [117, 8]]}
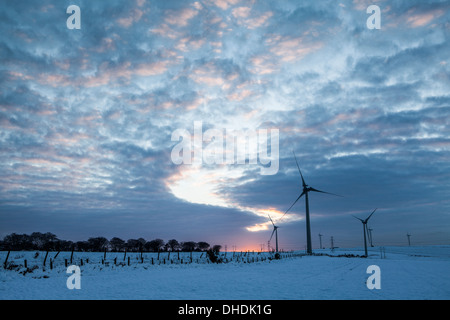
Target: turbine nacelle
{"points": [[366, 220]]}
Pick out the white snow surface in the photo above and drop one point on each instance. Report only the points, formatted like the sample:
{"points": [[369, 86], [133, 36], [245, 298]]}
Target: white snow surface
{"points": [[421, 273]]}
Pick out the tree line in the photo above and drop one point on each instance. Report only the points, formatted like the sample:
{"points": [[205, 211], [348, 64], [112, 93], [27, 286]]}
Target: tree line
{"points": [[49, 242]]}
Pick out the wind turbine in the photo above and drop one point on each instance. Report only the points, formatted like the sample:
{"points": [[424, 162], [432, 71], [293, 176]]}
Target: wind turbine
{"points": [[369, 235], [305, 191], [409, 241], [364, 222], [275, 230], [320, 239]]}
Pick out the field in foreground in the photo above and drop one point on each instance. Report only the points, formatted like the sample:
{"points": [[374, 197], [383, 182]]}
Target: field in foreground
{"points": [[406, 273]]}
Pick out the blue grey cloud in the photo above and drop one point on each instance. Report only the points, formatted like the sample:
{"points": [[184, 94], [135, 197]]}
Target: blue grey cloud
{"points": [[87, 115]]}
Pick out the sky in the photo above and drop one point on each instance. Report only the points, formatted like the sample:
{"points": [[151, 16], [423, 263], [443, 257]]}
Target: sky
{"points": [[89, 120]]}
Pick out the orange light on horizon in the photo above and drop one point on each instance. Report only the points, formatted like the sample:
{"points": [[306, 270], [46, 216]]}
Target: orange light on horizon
{"points": [[248, 248]]}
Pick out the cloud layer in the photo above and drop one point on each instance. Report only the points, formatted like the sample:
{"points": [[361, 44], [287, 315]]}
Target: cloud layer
{"points": [[86, 118]]}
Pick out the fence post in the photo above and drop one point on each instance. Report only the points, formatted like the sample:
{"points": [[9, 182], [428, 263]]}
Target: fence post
{"points": [[45, 258], [71, 256], [51, 264], [6, 260], [128, 260], [65, 262], [25, 263], [124, 256]]}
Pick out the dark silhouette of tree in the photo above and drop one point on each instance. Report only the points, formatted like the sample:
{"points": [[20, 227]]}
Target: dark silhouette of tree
{"points": [[155, 245], [63, 245], [116, 244], [38, 240], [16, 241], [82, 246], [202, 246], [173, 245], [133, 245], [141, 244], [188, 246], [97, 244], [213, 254], [49, 241]]}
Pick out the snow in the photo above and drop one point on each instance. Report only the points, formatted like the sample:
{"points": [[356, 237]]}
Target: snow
{"points": [[406, 273]]}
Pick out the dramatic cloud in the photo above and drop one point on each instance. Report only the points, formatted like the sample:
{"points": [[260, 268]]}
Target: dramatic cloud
{"points": [[87, 117]]}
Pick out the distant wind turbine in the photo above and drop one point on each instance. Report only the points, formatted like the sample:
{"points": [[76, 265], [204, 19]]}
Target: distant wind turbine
{"points": [[369, 235], [275, 230], [305, 191], [320, 239], [364, 222]]}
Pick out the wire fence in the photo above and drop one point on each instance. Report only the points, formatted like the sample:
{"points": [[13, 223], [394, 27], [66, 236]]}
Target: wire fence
{"points": [[14, 260]]}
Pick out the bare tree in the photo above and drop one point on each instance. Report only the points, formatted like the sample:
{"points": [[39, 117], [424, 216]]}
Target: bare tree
{"points": [[155, 245], [203, 245], [116, 244], [97, 244], [173, 244], [188, 246]]}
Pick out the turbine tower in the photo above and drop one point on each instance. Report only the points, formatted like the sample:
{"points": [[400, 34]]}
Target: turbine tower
{"points": [[364, 223], [320, 239], [306, 190], [275, 230], [369, 235]]}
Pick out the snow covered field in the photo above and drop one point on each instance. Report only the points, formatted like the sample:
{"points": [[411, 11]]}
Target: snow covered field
{"points": [[406, 273]]}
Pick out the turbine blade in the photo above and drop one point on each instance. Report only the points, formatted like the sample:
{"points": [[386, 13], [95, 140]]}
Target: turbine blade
{"points": [[370, 215], [272, 234], [315, 190], [271, 220], [303, 180], [294, 203], [358, 218]]}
